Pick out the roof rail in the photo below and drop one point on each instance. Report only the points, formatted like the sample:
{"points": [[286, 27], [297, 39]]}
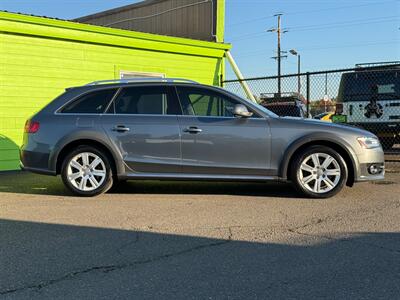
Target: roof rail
{"points": [[378, 64], [141, 79]]}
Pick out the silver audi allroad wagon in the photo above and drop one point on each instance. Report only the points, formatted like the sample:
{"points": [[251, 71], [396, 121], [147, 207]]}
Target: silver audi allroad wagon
{"points": [[105, 132]]}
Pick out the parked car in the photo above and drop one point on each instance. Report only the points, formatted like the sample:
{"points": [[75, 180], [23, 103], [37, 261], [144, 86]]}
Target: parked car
{"points": [[169, 129], [325, 116], [370, 99], [285, 105]]}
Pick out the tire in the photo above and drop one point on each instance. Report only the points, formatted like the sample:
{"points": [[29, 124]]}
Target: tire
{"points": [[86, 171], [323, 180]]}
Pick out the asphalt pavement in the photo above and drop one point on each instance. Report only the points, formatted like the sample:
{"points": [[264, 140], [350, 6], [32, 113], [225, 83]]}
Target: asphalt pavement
{"points": [[198, 240]]}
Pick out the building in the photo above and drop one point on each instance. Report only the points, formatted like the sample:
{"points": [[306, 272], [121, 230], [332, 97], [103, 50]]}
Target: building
{"points": [[40, 57], [196, 19]]}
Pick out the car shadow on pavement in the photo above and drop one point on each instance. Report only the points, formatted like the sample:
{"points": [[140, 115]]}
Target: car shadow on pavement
{"points": [[52, 261], [28, 183]]}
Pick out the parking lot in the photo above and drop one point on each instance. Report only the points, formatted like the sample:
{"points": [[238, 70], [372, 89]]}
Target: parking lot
{"points": [[183, 240]]}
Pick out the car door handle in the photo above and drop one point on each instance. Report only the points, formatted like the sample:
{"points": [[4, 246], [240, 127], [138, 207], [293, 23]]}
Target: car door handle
{"points": [[120, 128], [192, 130]]}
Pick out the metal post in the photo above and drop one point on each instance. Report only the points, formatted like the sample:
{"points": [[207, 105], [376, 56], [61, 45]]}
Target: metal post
{"points": [[239, 75], [298, 76], [308, 93], [326, 91]]}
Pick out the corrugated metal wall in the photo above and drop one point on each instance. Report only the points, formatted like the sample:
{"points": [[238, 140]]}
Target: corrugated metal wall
{"points": [[183, 18]]}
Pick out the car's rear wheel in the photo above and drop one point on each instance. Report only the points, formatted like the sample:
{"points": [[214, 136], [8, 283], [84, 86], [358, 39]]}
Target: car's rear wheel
{"points": [[86, 171], [319, 172]]}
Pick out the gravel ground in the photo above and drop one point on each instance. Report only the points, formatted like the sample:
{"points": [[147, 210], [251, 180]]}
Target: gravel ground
{"points": [[197, 240]]}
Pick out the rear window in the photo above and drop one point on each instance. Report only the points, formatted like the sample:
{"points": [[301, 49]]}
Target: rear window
{"points": [[362, 86], [92, 103]]}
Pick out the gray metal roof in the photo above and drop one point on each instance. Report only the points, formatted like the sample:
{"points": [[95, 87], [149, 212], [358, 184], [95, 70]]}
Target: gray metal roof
{"points": [[118, 10], [195, 19]]}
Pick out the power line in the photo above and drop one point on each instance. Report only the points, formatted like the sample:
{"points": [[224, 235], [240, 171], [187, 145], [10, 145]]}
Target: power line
{"points": [[339, 25], [383, 19], [309, 11], [372, 43], [346, 22]]}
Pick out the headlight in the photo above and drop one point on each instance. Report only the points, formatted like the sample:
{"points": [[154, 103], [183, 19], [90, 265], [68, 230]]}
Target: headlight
{"points": [[369, 142]]}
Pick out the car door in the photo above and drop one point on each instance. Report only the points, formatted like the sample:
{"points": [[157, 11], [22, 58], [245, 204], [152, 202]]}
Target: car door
{"points": [[142, 123], [216, 142]]}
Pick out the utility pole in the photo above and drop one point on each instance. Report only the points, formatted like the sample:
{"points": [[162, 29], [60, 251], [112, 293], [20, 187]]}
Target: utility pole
{"points": [[279, 55]]}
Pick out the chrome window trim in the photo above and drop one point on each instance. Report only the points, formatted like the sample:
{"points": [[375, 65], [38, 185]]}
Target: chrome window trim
{"points": [[217, 117], [141, 115]]}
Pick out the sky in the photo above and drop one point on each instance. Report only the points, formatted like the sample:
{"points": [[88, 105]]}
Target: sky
{"points": [[328, 34]]}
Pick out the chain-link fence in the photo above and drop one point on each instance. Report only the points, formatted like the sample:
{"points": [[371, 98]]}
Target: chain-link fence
{"points": [[365, 96]]}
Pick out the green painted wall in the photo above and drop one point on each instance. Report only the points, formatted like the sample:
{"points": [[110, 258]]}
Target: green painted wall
{"points": [[40, 57]]}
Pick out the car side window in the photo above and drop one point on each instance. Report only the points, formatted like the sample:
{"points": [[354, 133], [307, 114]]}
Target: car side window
{"points": [[145, 100], [91, 103], [203, 102]]}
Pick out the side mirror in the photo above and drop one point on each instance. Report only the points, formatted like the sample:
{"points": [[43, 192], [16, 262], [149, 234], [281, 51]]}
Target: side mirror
{"points": [[241, 111]]}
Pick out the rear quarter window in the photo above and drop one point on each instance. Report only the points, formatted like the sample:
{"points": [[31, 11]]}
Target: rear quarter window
{"points": [[92, 103]]}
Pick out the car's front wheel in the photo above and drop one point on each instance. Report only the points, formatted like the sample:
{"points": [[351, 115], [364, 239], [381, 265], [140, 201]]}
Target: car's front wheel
{"points": [[319, 172], [86, 171]]}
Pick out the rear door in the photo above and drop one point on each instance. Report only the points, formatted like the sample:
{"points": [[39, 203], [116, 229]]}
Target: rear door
{"points": [[215, 142], [142, 123]]}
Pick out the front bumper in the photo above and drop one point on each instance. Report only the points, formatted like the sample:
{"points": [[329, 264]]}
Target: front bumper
{"points": [[366, 175], [369, 159]]}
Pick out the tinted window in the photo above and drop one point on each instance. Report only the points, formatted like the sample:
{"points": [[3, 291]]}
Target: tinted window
{"points": [[202, 102], [361, 86], [149, 100], [92, 103]]}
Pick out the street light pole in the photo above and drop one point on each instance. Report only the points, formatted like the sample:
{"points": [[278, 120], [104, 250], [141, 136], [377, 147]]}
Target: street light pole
{"points": [[295, 53], [298, 74]]}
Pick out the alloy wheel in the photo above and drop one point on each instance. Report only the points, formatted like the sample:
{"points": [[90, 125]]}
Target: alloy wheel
{"points": [[86, 171], [319, 173]]}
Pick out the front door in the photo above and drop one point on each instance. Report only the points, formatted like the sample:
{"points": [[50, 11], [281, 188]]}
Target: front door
{"points": [[216, 142], [142, 122]]}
